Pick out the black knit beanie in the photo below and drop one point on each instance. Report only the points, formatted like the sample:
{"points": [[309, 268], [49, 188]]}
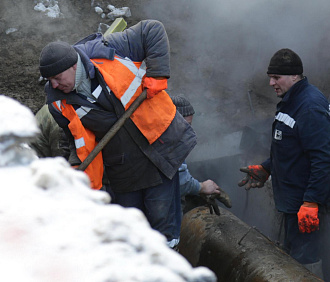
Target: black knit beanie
{"points": [[285, 62], [183, 106], [56, 57]]}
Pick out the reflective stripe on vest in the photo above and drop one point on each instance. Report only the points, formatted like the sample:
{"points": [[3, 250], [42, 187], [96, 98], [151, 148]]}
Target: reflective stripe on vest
{"points": [[96, 93], [84, 141], [124, 77]]}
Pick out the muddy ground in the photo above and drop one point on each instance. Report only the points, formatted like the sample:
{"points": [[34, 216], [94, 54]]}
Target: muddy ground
{"points": [[212, 62], [194, 74], [19, 50], [217, 62]]}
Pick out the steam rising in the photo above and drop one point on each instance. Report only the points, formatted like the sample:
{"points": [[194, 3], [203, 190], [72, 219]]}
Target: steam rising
{"points": [[224, 48], [220, 54]]}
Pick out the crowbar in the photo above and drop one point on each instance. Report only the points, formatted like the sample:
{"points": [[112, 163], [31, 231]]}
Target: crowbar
{"points": [[118, 25], [113, 130]]}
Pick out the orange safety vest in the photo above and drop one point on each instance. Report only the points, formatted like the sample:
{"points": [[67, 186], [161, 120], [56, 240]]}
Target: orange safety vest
{"points": [[85, 143], [124, 77]]}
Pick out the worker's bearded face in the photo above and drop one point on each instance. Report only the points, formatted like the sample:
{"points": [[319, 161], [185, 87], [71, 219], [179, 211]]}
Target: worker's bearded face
{"points": [[64, 81]]}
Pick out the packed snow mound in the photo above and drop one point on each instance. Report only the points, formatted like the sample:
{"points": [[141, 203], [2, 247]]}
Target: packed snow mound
{"points": [[17, 120], [18, 126], [53, 227]]}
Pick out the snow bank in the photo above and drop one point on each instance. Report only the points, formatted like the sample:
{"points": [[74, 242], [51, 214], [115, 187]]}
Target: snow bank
{"points": [[53, 227], [18, 126]]}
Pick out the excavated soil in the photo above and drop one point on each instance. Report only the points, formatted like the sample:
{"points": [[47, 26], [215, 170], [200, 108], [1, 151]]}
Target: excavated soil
{"points": [[195, 74], [19, 50], [217, 61]]}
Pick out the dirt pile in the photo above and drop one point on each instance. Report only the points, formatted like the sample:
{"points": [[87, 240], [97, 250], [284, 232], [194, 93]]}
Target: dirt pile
{"points": [[219, 53], [194, 76], [20, 50]]}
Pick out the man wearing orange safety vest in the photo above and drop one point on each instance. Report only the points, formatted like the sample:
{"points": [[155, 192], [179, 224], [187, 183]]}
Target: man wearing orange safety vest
{"points": [[90, 86]]}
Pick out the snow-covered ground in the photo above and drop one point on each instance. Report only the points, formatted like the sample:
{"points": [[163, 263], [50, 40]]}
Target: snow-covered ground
{"points": [[53, 227]]}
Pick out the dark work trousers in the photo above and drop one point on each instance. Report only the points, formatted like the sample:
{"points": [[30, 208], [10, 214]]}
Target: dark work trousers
{"points": [[160, 204], [303, 247]]}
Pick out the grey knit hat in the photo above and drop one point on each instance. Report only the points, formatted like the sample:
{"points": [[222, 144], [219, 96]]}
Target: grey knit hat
{"points": [[56, 57], [285, 62], [183, 106]]}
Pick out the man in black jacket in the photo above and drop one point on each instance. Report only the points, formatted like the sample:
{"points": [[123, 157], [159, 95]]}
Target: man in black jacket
{"points": [[141, 161]]}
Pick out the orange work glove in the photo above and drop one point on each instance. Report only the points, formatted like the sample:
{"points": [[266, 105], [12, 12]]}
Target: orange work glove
{"points": [[308, 220], [154, 85], [256, 176]]}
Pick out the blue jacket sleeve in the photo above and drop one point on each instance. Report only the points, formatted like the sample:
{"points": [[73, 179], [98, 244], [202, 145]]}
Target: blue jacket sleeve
{"points": [[314, 130], [266, 165], [147, 41], [188, 184]]}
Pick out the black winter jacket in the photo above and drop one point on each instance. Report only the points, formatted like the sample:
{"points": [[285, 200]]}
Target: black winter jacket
{"points": [[131, 163]]}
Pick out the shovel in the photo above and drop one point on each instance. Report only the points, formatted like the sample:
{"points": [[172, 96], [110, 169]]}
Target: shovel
{"points": [[113, 130]]}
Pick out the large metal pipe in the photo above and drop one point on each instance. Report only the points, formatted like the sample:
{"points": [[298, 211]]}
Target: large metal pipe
{"points": [[235, 251]]}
